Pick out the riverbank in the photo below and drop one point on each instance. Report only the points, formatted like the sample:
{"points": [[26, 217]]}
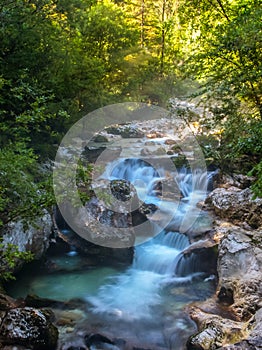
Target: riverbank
{"points": [[231, 319]]}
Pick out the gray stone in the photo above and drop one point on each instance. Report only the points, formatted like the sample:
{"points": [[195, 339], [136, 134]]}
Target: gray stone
{"points": [[239, 270], [235, 317], [34, 237], [215, 331], [236, 205]]}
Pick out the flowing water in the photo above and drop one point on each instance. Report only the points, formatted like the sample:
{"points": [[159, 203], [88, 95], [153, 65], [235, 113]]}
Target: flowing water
{"points": [[141, 305]]}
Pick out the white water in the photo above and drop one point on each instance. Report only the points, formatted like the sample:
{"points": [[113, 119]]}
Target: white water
{"points": [[137, 293]]}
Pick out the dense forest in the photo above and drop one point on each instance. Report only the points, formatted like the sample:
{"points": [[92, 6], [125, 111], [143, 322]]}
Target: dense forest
{"points": [[61, 59]]}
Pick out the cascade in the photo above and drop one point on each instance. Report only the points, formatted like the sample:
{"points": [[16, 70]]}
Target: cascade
{"points": [[140, 306], [134, 294]]}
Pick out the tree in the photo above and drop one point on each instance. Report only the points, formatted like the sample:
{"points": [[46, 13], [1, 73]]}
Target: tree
{"points": [[223, 52], [29, 33], [225, 47], [25, 189]]}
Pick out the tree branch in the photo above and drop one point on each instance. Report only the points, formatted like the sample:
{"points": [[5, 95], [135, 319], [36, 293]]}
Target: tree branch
{"points": [[223, 9]]}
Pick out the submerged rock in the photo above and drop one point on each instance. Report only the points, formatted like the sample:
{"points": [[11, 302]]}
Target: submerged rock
{"points": [[28, 327]]}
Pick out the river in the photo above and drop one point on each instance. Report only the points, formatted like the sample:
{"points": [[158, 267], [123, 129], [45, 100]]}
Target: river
{"points": [[140, 306]]}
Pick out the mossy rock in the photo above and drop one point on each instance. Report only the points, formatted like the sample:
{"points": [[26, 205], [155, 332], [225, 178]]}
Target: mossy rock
{"points": [[100, 139], [180, 161]]}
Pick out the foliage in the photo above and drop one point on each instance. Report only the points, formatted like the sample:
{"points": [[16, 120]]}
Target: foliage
{"points": [[84, 180], [225, 49], [257, 186], [223, 52], [10, 255], [25, 190], [61, 59], [26, 114]]}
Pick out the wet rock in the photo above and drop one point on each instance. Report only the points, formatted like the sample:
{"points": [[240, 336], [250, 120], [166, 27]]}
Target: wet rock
{"points": [[147, 208], [198, 260], [28, 327], [69, 317], [103, 226], [104, 342], [170, 142], [113, 129], [35, 301], [176, 149], [156, 151], [7, 302], [97, 252], [154, 135], [97, 339], [168, 188], [236, 205], [122, 190], [203, 254], [91, 153], [131, 132], [100, 138], [126, 131]]}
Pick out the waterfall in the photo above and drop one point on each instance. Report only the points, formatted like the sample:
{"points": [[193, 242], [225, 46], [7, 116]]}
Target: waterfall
{"points": [[135, 294], [140, 306]]}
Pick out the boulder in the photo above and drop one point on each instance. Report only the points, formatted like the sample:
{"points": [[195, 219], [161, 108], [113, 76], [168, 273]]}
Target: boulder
{"points": [[235, 316], [254, 340], [6, 302], [237, 180], [239, 270], [126, 131], [103, 226], [154, 134], [236, 205], [153, 151], [122, 190], [100, 138], [215, 331], [32, 237], [28, 327], [91, 153]]}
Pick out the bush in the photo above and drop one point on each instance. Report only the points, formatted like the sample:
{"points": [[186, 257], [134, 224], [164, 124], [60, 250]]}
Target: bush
{"points": [[9, 257]]}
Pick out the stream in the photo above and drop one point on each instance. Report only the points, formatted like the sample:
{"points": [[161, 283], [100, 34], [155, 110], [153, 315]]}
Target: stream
{"points": [[138, 306]]}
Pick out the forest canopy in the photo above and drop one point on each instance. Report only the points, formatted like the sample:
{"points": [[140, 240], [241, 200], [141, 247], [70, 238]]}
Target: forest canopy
{"points": [[61, 59]]}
